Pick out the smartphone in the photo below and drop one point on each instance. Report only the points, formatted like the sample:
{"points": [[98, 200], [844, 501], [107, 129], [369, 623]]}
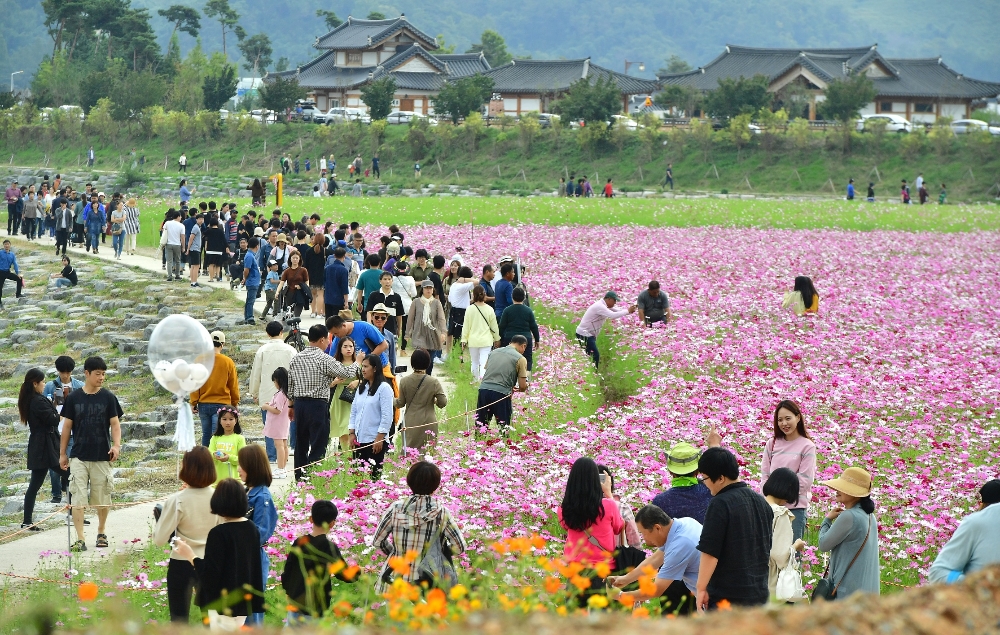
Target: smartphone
{"points": [[604, 478]]}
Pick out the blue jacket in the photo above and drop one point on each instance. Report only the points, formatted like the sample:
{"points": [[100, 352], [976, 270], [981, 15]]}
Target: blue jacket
{"points": [[90, 218], [504, 291], [56, 384], [8, 261], [265, 516], [335, 283]]}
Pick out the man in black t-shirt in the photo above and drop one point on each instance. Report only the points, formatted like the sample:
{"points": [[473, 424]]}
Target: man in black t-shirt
{"points": [[91, 415], [392, 300], [735, 542]]}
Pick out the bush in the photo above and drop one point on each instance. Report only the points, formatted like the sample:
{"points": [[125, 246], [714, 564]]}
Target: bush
{"points": [[129, 177]]}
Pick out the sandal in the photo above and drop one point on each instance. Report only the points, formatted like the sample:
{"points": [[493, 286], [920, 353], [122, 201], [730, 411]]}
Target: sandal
{"points": [[78, 546], [102, 541]]}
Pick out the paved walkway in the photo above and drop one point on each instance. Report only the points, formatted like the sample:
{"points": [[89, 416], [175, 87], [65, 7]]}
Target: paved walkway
{"points": [[27, 551]]}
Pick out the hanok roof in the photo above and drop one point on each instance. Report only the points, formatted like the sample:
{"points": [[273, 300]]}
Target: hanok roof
{"points": [[552, 76], [323, 72], [409, 53], [461, 65], [363, 34], [898, 77]]}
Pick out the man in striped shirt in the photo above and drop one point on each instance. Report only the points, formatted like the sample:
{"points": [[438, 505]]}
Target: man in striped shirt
{"points": [[309, 375]]}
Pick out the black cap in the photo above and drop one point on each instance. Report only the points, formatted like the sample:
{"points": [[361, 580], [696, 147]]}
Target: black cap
{"points": [[990, 493]]}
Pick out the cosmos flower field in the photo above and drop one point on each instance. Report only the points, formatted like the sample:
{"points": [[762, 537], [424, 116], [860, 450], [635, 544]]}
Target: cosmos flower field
{"points": [[898, 373]]}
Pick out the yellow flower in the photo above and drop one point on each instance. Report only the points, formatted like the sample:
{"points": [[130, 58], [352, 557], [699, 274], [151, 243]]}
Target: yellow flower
{"points": [[336, 567], [475, 605], [457, 592], [597, 601], [561, 611]]}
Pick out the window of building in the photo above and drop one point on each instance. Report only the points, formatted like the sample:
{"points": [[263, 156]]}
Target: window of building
{"points": [[923, 107], [395, 103], [886, 106], [354, 58]]}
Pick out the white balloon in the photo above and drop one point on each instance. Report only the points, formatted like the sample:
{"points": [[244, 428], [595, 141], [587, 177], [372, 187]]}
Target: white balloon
{"points": [[172, 385], [189, 385], [181, 369], [199, 373]]}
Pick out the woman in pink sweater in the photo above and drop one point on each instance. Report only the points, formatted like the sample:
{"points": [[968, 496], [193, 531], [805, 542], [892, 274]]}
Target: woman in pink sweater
{"points": [[791, 447], [591, 521]]}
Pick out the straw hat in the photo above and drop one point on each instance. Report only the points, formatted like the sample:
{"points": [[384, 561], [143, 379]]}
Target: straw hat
{"points": [[282, 238], [854, 481]]}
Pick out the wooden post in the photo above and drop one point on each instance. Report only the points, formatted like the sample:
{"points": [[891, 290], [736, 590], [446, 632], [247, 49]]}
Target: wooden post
{"points": [[640, 174], [797, 176], [523, 176], [440, 171], [456, 174], [11, 160], [971, 175], [747, 179], [498, 171], [300, 144], [833, 188], [165, 158], [242, 161], [265, 150]]}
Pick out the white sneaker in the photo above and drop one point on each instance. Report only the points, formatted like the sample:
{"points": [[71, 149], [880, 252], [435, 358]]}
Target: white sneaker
{"points": [[438, 360]]}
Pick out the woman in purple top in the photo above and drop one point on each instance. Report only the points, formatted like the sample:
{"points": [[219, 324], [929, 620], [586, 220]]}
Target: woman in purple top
{"points": [[791, 447]]}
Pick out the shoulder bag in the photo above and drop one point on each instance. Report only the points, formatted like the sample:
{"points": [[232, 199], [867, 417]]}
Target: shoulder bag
{"points": [[497, 337], [788, 587], [626, 558], [348, 394], [824, 589]]}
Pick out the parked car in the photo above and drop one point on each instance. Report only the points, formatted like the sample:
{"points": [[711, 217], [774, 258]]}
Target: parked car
{"points": [[628, 122], [264, 116], [965, 126], [304, 110], [223, 114], [893, 123], [340, 114], [547, 119], [408, 116]]}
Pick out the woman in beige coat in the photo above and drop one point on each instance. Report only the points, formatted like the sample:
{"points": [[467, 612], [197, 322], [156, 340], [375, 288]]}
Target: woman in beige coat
{"points": [[425, 325], [419, 394]]}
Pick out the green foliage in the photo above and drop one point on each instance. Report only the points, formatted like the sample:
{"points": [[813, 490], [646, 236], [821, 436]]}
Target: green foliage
{"points": [[329, 18], [590, 137], [7, 99], [981, 143], [739, 133], [282, 65], [845, 98], [377, 133], [101, 84], [281, 94], [256, 51], [57, 82], [99, 121], [188, 92], [493, 48], [685, 99], [375, 15], [703, 137], [227, 17], [771, 122], [219, 86], [443, 48], [378, 96], [459, 98], [942, 136], [913, 143], [737, 97], [674, 64], [528, 129], [418, 138], [798, 132], [129, 177], [184, 18], [135, 92], [593, 102], [474, 129]]}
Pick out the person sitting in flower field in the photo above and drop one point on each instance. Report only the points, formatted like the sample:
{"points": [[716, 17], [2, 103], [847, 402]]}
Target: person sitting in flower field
{"points": [[803, 298], [313, 561], [975, 544], [419, 535]]}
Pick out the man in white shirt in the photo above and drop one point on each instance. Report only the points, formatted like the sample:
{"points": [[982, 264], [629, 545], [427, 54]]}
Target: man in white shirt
{"points": [[920, 181], [273, 354], [173, 243], [593, 321]]}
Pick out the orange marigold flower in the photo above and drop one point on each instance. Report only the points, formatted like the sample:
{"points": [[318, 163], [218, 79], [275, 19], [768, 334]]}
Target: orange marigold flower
{"points": [[570, 569], [537, 541], [336, 567], [87, 591], [342, 608], [411, 555], [247, 597], [647, 586], [648, 570], [499, 547], [399, 565], [641, 612], [351, 572], [580, 582], [724, 605], [552, 584], [602, 569]]}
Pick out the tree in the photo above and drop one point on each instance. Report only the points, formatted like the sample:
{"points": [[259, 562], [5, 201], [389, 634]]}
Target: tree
{"points": [[443, 48], [227, 18], [282, 64], [593, 102], [684, 99], [675, 64], [739, 133], [219, 84], [187, 93], [461, 97], [331, 19], [378, 96], [281, 94], [844, 101], [771, 122], [7, 99], [737, 97], [135, 92], [256, 51], [492, 46], [184, 18], [375, 15]]}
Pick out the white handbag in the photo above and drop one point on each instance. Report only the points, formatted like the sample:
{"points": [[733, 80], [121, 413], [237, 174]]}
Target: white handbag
{"points": [[789, 586]]}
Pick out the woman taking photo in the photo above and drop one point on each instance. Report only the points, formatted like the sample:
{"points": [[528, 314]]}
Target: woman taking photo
{"points": [[791, 447], [230, 567], [629, 537], [294, 281], [850, 534], [42, 420], [480, 332], [131, 226], [371, 415], [188, 515], [422, 524], [419, 394], [425, 325], [348, 370], [591, 522]]}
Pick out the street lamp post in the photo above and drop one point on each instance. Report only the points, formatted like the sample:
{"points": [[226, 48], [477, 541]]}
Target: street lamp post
{"points": [[12, 79], [642, 66]]}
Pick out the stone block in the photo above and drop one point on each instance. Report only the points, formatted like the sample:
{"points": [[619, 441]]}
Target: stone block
{"points": [[138, 430]]}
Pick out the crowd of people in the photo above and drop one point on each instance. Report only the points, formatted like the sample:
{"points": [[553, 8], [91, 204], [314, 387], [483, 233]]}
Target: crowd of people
{"points": [[714, 540], [923, 195]]}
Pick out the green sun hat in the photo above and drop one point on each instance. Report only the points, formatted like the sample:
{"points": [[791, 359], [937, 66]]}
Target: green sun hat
{"points": [[683, 458]]}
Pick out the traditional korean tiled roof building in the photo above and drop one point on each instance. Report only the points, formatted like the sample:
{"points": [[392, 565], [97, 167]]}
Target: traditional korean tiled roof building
{"points": [[918, 89]]}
